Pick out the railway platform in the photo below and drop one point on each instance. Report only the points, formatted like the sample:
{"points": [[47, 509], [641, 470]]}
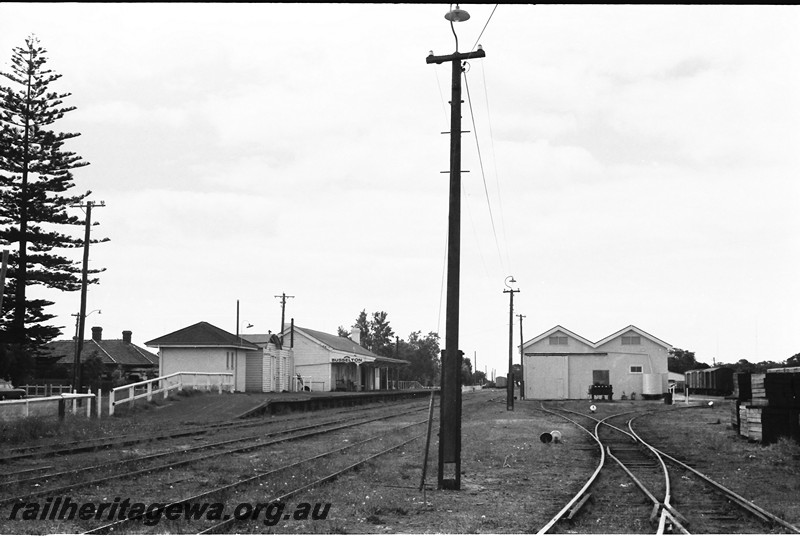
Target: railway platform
{"points": [[210, 407]]}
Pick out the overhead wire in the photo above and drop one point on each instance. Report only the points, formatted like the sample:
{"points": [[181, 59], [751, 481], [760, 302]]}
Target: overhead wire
{"points": [[483, 172], [494, 161]]}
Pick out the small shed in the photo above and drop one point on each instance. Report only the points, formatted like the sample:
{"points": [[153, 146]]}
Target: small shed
{"points": [[203, 347]]}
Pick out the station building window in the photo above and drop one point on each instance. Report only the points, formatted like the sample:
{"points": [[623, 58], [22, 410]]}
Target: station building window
{"points": [[558, 340], [636, 369], [631, 340]]}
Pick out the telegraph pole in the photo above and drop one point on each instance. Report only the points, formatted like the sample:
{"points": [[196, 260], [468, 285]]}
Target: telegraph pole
{"points": [[449, 475], [76, 369], [510, 381], [521, 364], [283, 297], [3, 279]]}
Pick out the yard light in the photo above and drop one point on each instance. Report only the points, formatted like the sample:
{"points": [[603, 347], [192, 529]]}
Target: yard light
{"points": [[592, 408], [457, 15]]}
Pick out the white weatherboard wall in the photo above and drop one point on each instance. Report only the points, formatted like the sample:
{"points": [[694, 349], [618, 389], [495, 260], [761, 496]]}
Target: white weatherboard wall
{"points": [[311, 360], [270, 370], [172, 360]]}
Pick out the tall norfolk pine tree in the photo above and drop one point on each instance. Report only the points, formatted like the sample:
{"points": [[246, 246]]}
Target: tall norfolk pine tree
{"points": [[35, 178]]}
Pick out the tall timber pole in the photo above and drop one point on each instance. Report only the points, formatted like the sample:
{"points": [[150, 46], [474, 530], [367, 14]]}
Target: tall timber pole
{"points": [[76, 369], [510, 379], [449, 474]]}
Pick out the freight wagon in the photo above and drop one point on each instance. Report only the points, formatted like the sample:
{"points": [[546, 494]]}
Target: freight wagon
{"points": [[717, 381]]}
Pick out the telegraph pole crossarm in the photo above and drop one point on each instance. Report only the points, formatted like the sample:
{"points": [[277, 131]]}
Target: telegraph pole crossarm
{"points": [[283, 297]]}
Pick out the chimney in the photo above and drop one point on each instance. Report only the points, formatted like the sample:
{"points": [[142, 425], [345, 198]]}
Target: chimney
{"points": [[126, 336], [355, 335], [97, 333]]}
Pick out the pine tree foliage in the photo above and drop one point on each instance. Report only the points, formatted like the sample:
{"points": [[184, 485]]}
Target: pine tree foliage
{"points": [[35, 183]]}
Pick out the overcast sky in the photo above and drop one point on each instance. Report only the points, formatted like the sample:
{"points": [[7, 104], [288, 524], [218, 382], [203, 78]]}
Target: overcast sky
{"points": [[628, 165]]}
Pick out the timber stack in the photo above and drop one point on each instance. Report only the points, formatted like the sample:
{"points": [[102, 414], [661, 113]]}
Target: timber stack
{"points": [[767, 406]]}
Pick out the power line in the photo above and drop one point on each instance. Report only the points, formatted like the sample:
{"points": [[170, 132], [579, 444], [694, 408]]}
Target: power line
{"points": [[484, 26], [494, 161], [483, 173]]}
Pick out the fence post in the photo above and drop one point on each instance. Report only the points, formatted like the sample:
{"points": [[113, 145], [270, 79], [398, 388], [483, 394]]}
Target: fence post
{"points": [[74, 403], [62, 409], [98, 404], [111, 395], [89, 404], [27, 408], [131, 392], [149, 391]]}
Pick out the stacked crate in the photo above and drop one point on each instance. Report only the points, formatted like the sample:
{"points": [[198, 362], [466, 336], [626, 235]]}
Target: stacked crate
{"points": [[741, 393], [773, 407]]}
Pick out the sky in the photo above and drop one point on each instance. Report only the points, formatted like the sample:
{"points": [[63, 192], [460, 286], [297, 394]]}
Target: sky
{"points": [[628, 165]]}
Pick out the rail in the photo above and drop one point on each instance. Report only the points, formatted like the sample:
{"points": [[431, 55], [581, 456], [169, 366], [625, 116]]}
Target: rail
{"points": [[171, 382]]}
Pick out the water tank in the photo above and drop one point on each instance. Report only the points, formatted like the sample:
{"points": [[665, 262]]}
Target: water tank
{"points": [[651, 384]]}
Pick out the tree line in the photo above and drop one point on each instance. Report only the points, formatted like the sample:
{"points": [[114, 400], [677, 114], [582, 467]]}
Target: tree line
{"points": [[682, 360], [421, 351]]}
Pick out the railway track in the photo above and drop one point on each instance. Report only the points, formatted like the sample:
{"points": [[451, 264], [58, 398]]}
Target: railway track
{"points": [[34, 486], [232, 469], [61, 448], [687, 501]]}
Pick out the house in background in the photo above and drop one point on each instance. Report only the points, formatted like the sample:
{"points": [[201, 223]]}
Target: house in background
{"points": [[130, 361], [260, 366], [559, 364], [326, 362]]}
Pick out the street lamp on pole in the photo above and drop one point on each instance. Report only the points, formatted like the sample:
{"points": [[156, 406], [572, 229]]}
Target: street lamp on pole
{"points": [[510, 381], [449, 474]]}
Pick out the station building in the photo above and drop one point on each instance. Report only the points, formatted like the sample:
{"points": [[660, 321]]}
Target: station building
{"points": [[298, 359], [560, 364], [327, 362]]}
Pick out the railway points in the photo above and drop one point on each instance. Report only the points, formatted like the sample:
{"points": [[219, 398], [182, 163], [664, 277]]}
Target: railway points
{"points": [[367, 474]]}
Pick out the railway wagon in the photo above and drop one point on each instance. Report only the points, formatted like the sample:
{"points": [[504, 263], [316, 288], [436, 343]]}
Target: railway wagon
{"points": [[717, 381]]}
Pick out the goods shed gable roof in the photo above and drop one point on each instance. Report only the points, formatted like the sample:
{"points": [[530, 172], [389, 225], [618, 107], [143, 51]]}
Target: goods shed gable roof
{"points": [[638, 332], [553, 331], [631, 328]]}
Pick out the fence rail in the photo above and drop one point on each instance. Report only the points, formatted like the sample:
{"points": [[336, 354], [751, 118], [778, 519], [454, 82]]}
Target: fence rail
{"points": [[405, 385], [47, 405], [307, 383], [172, 382], [46, 390]]}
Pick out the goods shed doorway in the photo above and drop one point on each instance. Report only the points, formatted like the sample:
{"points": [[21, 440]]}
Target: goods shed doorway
{"points": [[546, 377]]}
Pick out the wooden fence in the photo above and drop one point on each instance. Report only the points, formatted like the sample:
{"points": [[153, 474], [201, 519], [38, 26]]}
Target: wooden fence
{"points": [[46, 390], [49, 405], [222, 381]]}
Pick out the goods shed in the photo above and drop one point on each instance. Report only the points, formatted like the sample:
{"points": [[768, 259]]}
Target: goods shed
{"points": [[560, 364]]}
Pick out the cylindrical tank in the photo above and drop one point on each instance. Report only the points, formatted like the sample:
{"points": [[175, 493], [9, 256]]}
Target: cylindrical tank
{"points": [[651, 384]]}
